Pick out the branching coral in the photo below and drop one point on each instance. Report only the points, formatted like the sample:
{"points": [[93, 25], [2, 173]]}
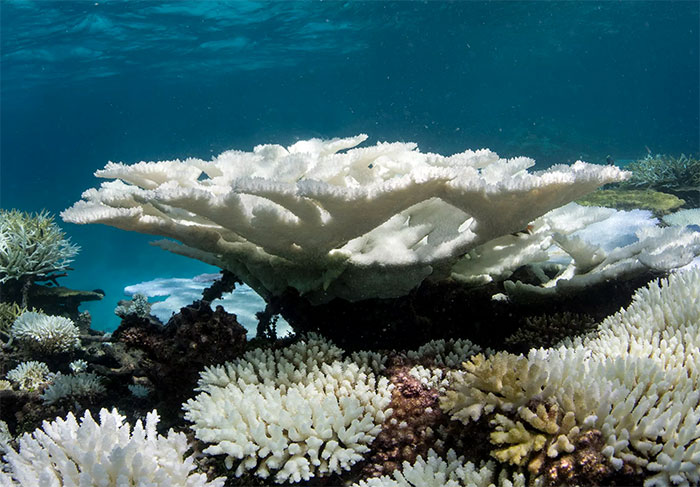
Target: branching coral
{"points": [[292, 413], [75, 387], [636, 380], [331, 220], [664, 172], [32, 245], [65, 452], [44, 333], [30, 375], [452, 471]]}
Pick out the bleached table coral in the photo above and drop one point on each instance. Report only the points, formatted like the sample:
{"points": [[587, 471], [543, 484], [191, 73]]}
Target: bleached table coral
{"points": [[330, 219], [292, 414]]}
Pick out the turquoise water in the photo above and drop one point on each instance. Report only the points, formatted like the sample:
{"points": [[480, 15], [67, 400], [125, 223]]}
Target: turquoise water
{"points": [[83, 83]]}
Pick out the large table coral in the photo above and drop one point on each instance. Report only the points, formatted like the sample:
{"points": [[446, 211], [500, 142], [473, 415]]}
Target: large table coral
{"points": [[329, 219]]}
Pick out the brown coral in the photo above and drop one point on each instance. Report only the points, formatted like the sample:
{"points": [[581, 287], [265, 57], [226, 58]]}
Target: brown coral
{"points": [[411, 430]]}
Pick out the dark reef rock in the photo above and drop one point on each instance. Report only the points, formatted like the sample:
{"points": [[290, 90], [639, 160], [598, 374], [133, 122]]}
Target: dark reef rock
{"points": [[52, 300], [444, 309], [176, 353]]}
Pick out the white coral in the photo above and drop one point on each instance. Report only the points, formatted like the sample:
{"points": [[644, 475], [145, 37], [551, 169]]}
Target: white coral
{"points": [[574, 247], [636, 380], [329, 219], [29, 375], [48, 334], [434, 471], [292, 413], [65, 452], [74, 386]]}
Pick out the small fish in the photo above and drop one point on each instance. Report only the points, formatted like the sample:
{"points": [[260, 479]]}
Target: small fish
{"points": [[526, 231]]}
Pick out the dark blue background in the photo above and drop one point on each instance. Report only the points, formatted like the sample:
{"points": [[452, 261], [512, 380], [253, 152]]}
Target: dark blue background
{"points": [[87, 82]]}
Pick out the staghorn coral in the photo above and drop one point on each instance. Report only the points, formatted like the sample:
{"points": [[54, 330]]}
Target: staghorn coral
{"points": [[666, 173], [65, 452], [75, 387], [292, 413], [431, 470], [44, 333], [329, 219], [32, 245], [636, 380]]}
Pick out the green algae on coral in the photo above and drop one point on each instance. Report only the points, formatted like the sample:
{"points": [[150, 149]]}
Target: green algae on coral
{"points": [[629, 199]]}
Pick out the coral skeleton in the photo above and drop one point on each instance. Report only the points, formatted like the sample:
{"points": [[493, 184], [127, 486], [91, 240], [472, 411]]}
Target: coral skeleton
{"points": [[292, 413], [635, 379], [68, 452], [44, 333], [330, 219]]}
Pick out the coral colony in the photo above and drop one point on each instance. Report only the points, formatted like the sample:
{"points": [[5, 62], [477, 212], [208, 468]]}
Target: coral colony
{"points": [[458, 321]]}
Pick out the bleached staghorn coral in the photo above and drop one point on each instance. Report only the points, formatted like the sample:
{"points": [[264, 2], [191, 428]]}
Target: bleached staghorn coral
{"points": [[636, 380], [32, 245], [44, 333], [452, 471], [329, 219], [84, 385], [293, 413], [30, 375], [65, 452]]}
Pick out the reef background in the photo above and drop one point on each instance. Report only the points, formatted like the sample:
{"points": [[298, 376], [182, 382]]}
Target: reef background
{"points": [[82, 83]]}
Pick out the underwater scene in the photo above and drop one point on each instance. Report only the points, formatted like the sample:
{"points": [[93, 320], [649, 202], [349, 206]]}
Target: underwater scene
{"points": [[349, 243]]}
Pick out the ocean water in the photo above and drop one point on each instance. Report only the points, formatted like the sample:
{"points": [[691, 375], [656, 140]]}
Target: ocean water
{"points": [[83, 83]]}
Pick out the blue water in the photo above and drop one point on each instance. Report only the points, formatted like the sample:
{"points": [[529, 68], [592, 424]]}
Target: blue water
{"points": [[83, 83]]}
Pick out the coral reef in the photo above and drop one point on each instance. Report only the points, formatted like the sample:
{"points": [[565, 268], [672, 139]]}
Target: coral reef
{"points": [[411, 430], [635, 380], [138, 306], [292, 413], [65, 452]]}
